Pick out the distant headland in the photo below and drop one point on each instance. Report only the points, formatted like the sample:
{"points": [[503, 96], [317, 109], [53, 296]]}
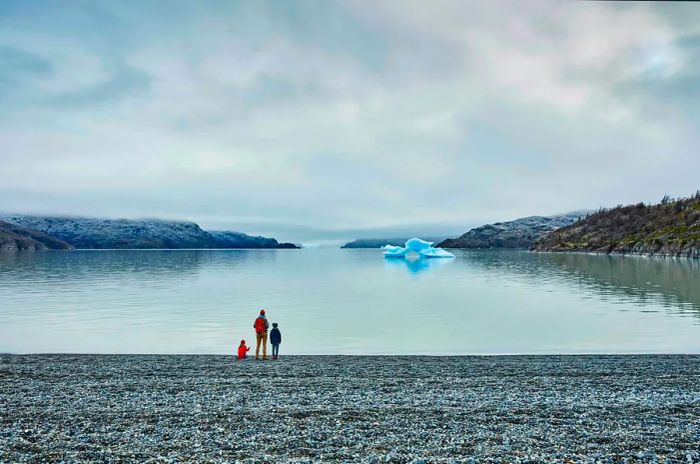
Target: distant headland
{"points": [[25, 232], [517, 234]]}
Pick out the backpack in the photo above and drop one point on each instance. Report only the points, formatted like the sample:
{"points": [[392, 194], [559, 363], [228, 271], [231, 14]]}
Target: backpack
{"points": [[259, 325]]}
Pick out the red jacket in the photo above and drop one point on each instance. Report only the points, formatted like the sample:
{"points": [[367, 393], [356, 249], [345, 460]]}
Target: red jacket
{"points": [[242, 350]]}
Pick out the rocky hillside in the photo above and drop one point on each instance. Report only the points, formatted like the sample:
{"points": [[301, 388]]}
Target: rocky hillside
{"points": [[226, 239], [670, 228], [521, 233], [90, 233], [380, 242], [14, 237]]}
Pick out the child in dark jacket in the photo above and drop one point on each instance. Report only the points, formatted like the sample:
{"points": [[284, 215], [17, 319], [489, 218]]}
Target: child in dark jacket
{"points": [[242, 350], [275, 340]]}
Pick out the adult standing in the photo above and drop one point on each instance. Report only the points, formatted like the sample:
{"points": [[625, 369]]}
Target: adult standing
{"points": [[261, 325]]}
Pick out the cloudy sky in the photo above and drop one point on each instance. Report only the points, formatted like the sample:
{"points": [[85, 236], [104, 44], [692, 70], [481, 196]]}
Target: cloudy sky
{"points": [[310, 119]]}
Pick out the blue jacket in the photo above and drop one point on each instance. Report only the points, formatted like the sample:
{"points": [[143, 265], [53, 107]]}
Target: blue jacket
{"points": [[275, 336]]}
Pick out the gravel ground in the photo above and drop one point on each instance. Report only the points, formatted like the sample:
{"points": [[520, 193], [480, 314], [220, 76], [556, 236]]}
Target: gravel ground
{"points": [[133, 408]]}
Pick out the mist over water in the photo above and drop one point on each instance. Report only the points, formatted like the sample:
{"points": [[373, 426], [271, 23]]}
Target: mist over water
{"points": [[331, 301]]}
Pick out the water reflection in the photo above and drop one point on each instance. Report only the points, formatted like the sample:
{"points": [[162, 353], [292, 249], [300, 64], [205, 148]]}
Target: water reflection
{"points": [[672, 283], [76, 266], [415, 265]]}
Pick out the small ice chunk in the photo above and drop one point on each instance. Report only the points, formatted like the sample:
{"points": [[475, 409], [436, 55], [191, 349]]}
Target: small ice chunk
{"points": [[436, 253], [391, 251]]}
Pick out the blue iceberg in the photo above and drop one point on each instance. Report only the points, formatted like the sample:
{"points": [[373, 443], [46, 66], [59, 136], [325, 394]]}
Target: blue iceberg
{"points": [[416, 246]]}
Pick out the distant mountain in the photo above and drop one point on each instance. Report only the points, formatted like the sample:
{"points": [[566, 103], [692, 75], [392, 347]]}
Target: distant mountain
{"points": [[14, 237], [225, 239], [91, 233], [380, 242], [520, 234], [670, 228]]}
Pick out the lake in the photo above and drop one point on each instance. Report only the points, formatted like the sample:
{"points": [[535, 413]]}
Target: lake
{"points": [[334, 301]]}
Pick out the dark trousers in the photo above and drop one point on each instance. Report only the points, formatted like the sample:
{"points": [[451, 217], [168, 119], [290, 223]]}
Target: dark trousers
{"points": [[275, 350]]}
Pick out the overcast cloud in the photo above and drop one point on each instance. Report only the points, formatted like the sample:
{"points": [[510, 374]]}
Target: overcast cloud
{"points": [[288, 118]]}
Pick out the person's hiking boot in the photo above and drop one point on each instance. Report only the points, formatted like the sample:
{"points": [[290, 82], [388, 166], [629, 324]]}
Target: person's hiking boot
{"points": [[265, 358]]}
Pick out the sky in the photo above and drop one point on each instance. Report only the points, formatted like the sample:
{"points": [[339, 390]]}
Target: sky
{"points": [[320, 120]]}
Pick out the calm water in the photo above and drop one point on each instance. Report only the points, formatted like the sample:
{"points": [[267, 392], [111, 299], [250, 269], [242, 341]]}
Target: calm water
{"points": [[347, 301]]}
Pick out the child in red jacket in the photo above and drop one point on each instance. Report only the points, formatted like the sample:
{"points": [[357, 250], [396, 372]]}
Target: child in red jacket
{"points": [[242, 350]]}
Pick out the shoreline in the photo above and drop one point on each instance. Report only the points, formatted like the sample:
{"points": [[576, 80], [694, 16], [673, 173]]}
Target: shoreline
{"points": [[616, 253], [584, 252], [207, 408]]}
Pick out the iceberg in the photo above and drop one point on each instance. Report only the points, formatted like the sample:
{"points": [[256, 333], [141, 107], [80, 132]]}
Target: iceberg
{"points": [[391, 251], [416, 246]]}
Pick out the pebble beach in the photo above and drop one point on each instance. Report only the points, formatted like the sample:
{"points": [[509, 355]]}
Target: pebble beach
{"points": [[191, 408]]}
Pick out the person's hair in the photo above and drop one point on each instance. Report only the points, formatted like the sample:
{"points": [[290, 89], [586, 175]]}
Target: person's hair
{"points": [[274, 324]]}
